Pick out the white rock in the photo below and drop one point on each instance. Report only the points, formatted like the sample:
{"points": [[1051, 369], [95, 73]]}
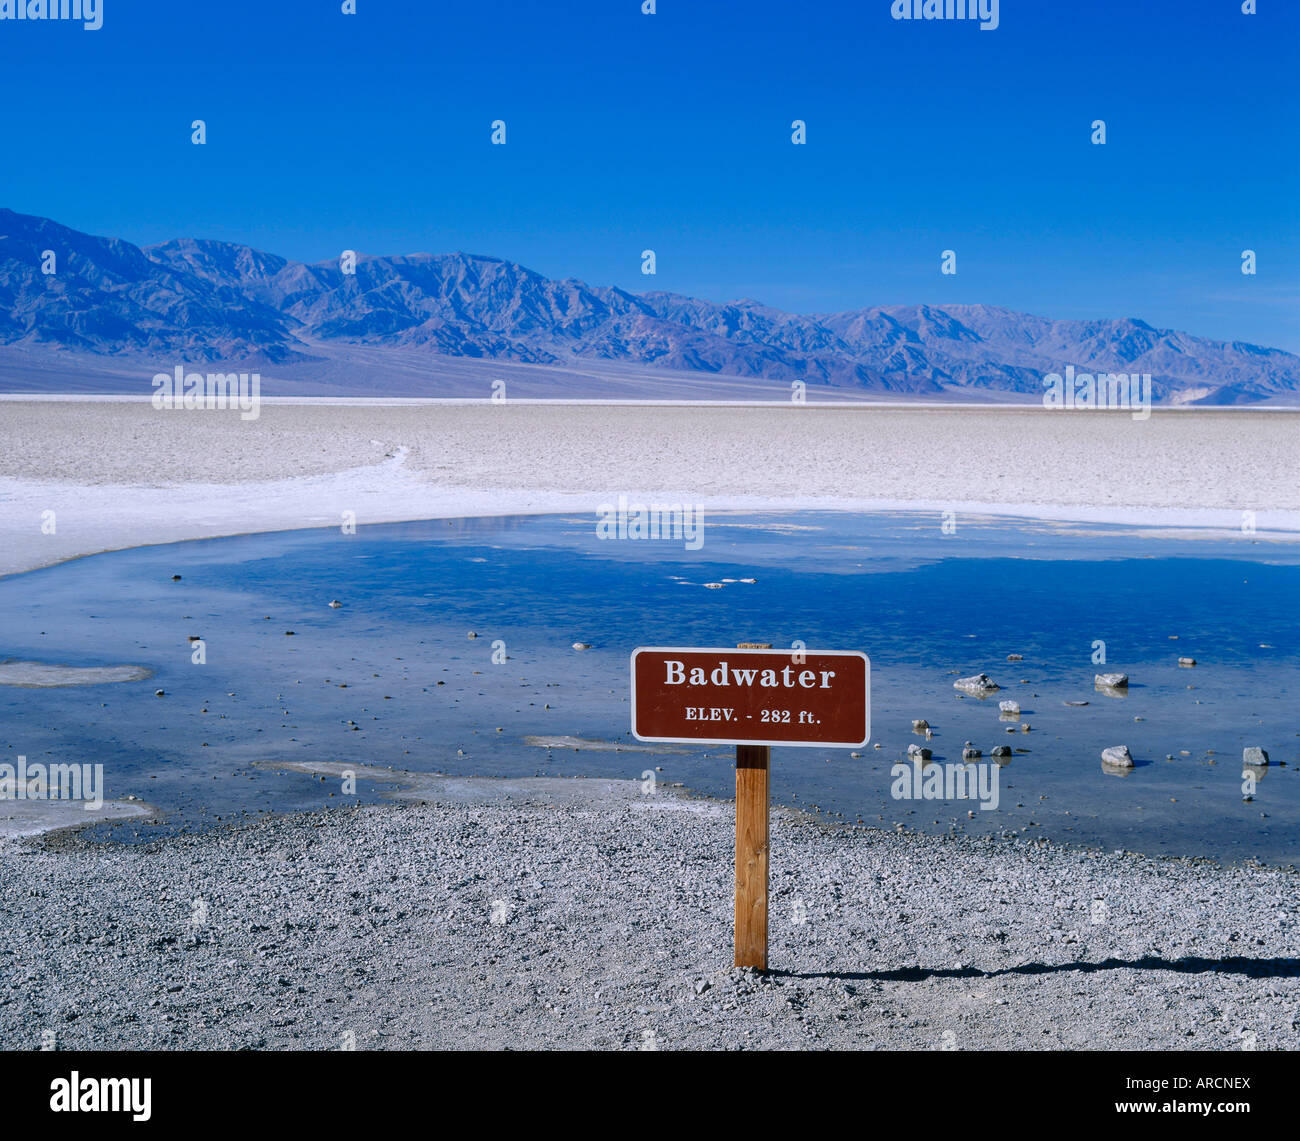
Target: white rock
{"points": [[976, 683], [1117, 755]]}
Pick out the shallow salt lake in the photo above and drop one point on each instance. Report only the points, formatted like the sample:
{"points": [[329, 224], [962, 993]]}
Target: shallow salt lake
{"points": [[391, 678]]}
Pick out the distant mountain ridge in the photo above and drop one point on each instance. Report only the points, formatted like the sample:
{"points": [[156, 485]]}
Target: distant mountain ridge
{"points": [[197, 300]]}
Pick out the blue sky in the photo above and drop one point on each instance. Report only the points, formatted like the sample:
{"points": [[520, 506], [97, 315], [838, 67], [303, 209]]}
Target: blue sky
{"points": [[672, 131]]}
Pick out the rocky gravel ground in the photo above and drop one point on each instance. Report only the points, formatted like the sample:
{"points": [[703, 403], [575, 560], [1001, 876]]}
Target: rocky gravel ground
{"points": [[588, 914]]}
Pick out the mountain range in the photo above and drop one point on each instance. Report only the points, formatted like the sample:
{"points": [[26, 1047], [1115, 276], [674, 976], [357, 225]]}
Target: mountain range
{"points": [[191, 301]]}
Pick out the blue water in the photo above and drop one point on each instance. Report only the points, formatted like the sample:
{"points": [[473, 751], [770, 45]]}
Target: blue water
{"points": [[361, 684]]}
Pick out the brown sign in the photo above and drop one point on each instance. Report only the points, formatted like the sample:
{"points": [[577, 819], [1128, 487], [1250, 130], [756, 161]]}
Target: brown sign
{"points": [[757, 697]]}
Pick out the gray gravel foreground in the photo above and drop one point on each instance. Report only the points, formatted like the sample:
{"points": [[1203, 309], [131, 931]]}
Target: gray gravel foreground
{"points": [[586, 914]]}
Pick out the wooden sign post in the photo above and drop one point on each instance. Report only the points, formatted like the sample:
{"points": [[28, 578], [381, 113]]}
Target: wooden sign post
{"points": [[751, 855], [800, 697], [753, 768]]}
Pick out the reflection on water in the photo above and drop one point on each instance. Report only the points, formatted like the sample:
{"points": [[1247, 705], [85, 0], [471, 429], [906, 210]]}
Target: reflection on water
{"points": [[390, 677]]}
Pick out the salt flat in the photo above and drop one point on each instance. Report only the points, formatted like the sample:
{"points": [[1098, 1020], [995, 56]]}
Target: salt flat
{"points": [[578, 914], [120, 473]]}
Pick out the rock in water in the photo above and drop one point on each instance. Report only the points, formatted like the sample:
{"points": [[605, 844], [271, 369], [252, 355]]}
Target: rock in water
{"points": [[1254, 755], [582, 645], [1009, 706], [918, 751], [1187, 661], [1117, 755], [970, 753], [335, 604], [1002, 750], [1111, 681], [977, 684], [920, 726]]}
